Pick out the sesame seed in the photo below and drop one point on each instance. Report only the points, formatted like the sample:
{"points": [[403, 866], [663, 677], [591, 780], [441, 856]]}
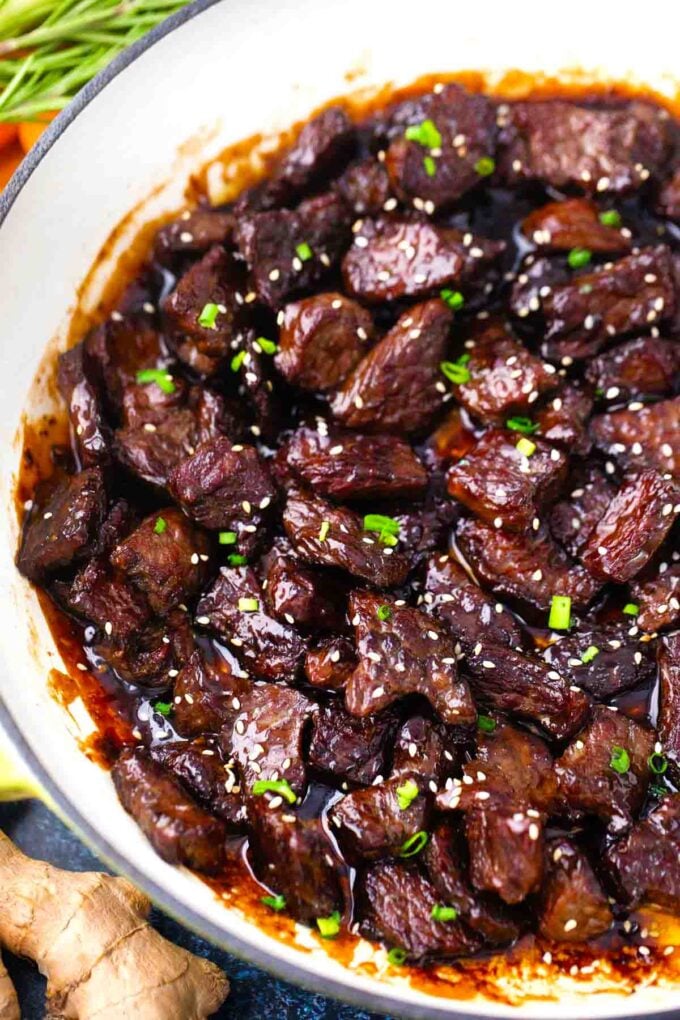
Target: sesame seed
{"points": [[534, 832], [108, 627], [274, 274], [570, 924]]}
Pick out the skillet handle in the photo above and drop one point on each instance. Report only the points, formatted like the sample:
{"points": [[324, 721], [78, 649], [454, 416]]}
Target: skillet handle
{"points": [[14, 783]]}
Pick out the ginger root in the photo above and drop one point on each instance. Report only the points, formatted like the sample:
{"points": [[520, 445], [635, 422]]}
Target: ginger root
{"points": [[9, 1006], [89, 936]]}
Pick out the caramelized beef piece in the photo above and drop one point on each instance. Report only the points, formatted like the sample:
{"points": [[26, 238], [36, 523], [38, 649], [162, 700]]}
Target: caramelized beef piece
{"points": [[180, 831], [658, 598], [398, 387], [631, 294], [573, 518], [563, 420], [669, 198], [79, 383], [374, 822], [153, 655], [466, 123], [256, 386], [118, 349], [646, 366], [563, 145], [301, 595], [199, 768], [365, 187], [539, 274], [234, 608], [506, 849], [166, 557], [64, 529], [393, 258], [464, 609], [196, 231], [320, 146], [321, 339], [204, 695], [632, 527], [427, 750], [104, 598], [406, 653], [574, 223], [505, 378], [333, 536], [271, 243], [351, 749], [531, 568], [144, 403], [427, 527], [225, 486], [397, 903], [648, 437], [452, 439], [151, 451], [499, 483], [513, 764], [614, 662], [588, 781], [669, 700], [353, 466], [330, 664], [574, 907], [645, 862]]}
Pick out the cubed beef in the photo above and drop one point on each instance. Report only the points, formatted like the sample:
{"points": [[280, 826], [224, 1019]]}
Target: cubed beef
{"points": [[204, 694], [147, 402], [603, 660], [427, 527], [658, 598], [537, 277], [669, 197], [465, 610], [465, 124], [198, 765], [563, 144], [225, 486], [153, 655], [511, 764], [398, 386], [632, 527], [319, 150], [234, 607], [506, 848], [179, 829], [119, 348], [290, 251], [79, 383], [60, 532], [397, 902], [573, 518], [350, 749], [500, 483], [333, 536], [321, 339], [645, 862], [330, 664], [574, 907], [531, 568], [504, 377], [427, 749], [669, 700], [256, 390], [375, 821], [151, 452], [563, 420], [574, 223], [166, 557], [300, 594], [401, 651], [365, 187], [647, 437], [352, 466], [646, 366], [605, 770], [195, 231], [104, 598]]}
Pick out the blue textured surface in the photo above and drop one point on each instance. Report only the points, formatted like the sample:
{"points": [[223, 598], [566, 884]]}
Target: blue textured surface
{"points": [[254, 994]]}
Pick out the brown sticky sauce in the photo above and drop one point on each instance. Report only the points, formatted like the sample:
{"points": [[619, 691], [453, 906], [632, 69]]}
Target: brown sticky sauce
{"points": [[531, 969]]}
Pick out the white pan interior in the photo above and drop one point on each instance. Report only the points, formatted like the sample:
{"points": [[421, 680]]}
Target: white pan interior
{"points": [[234, 69]]}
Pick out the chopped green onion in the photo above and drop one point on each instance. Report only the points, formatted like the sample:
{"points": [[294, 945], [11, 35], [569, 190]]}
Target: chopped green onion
{"points": [[323, 530], [397, 956], [560, 612], [426, 133], [159, 376], [486, 723], [620, 759], [455, 372], [280, 786], [303, 251], [387, 528], [579, 257], [383, 613], [440, 912], [414, 844], [237, 560], [610, 218], [265, 345], [520, 424], [238, 360], [246, 605], [590, 653], [406, 794], [227, 537], [631, 609], [485, 166], [329, 926], [163, 707], [453, 298], [160, 525], [275, 902], [430, 165], [208, 316], [525, 447], [587, 288], [658, 763], [658, 791]]}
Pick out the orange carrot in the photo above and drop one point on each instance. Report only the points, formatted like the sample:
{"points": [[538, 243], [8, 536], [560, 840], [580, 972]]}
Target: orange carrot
{"points": [[10, 157], [8, 133]]}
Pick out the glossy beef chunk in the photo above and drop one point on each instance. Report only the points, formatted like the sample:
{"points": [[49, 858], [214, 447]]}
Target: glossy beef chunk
{"points": [[645, 862], [179, 829], [330, 664], [321, 339], [204, 695], [349, 465], [79, 382], [398, 386], [574, 223], [567, 145], [510, 764], [648, 366], [401, 651], [316, 153], [198, 766], [506, 849], [604, 661], [669, 701], [574, 906], [657, 597], [563, 420], [376, 821], [103, 597], [118, 349], [150, 452], [573, 518], [646, 437], [152, 656], [352, 750], [393, 258], [196, 230], [428, 750], [397, 903], [502, 485], [61, 530], [365, 187], [301, 595]]}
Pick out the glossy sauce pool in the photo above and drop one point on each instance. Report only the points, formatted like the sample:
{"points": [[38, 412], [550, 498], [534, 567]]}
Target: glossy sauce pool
{"points": [[639, 948]]}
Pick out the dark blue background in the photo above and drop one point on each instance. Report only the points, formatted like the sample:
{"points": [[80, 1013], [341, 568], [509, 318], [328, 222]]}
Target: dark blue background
{"points": [[254, 994]]}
